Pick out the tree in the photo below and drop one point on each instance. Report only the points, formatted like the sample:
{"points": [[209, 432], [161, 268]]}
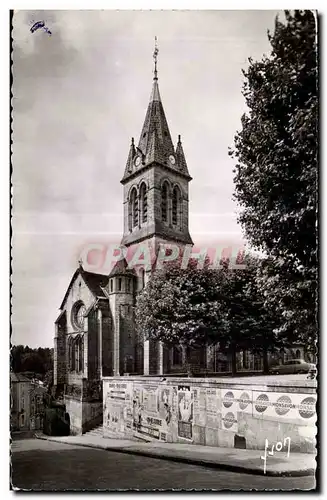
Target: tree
{"points": [[249, 324], [36, 361], [182, 306], [276, 171], [32, 362], [198, 307]]}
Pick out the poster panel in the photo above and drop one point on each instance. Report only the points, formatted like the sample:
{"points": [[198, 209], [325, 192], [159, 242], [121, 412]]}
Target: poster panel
{"points": [[199, 406], [285, 406], [165, 404], [115, 417], [175, 404], [150, 399], [212, 407], [185, 412], [117, 391]]}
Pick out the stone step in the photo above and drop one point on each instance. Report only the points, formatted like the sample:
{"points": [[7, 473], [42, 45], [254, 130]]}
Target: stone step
{"points": [[97, 431]]}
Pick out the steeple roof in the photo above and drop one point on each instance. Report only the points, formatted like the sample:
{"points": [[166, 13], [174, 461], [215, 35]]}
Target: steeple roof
{"points": [[155, 144], [121, 268]]}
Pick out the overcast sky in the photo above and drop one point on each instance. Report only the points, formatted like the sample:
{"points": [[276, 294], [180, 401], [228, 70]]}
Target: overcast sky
{"points": [[79, 96]]}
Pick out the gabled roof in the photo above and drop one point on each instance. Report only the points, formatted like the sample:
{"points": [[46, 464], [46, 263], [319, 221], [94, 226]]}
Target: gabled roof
{"points": [[93, 281], [60, 316], [121, 268]]}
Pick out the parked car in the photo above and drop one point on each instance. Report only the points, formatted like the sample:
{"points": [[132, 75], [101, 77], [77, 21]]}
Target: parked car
{"points": [[293, 366]]}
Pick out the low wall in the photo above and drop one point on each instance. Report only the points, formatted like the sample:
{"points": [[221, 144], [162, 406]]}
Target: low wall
{"points": [[74, 410], [214, 412], [83, 415]]}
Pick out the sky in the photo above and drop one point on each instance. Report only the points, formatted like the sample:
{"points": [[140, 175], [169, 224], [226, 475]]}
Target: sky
{"points": [[79, 95]]}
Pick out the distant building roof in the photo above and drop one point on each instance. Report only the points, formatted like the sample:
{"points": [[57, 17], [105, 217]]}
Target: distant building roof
{"points": [[18, 377]]}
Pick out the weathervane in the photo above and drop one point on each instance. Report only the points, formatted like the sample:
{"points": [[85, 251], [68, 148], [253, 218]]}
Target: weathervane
{"points": [[155, 56]]}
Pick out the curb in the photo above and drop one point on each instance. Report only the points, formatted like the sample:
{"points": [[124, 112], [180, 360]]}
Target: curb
{"points": [[191, 461]]}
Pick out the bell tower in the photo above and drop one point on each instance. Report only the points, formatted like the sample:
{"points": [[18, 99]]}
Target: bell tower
{"points": [[156, 179]]}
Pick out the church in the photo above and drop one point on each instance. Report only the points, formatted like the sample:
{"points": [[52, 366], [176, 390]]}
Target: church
{"points": [[95, 332]]}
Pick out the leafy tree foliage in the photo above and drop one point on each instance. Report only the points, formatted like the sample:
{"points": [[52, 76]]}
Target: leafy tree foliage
{"points": [[196, 307], [249, 325], [276, 174], [35, 361], [182, 306]]}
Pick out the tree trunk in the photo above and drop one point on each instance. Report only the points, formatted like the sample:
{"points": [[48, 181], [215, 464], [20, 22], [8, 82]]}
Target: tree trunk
{"points": [[265, 361]]}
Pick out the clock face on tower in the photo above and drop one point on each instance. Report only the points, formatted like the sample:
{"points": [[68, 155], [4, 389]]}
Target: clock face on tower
{"points": [[137, 161], [172, 159]]}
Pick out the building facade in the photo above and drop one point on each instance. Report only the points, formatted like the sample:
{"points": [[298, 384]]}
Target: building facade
{"points": [[27, 408]]}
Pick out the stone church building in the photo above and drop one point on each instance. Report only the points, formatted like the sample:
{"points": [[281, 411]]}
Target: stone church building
{"points": [[94, 333]]}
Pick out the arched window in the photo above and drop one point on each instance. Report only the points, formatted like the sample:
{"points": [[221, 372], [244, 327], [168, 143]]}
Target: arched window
{"points": [[298, 353], [73, 356], [133, 209], [176, 206], [70, 354], [164, 202], [81, 354], [144, 203], [142, 275], [76, 353]]}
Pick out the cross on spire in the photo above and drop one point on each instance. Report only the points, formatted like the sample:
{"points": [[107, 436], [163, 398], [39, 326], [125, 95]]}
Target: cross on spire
{"points": [[155, 57]]}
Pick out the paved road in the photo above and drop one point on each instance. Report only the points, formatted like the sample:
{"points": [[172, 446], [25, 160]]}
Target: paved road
{"points": [[48, 466]]}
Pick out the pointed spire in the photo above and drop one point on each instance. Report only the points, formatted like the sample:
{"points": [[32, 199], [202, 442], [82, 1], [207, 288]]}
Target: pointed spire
{"points": [[154, 149], [181, 162], [155, 144], [131, 156]]}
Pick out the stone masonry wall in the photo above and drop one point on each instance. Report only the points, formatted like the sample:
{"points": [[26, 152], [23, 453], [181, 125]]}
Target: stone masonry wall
{"points": [[154, 178], [219, 412], [59, 353]]}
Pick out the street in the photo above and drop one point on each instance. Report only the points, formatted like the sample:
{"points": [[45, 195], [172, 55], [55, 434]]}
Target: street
{"points": [[48, 466]]}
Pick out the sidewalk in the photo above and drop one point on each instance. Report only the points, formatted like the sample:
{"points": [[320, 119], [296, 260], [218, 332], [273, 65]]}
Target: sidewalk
{"points": [[235, 460]]}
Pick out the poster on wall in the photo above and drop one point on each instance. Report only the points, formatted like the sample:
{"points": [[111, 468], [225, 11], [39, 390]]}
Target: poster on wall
{"points": [[115, 418], [144, 423], [185, 411], [150, 399], [199, 407], [165, 404], [117, 391], [129, 393], [212, 408], [174, 405]]}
